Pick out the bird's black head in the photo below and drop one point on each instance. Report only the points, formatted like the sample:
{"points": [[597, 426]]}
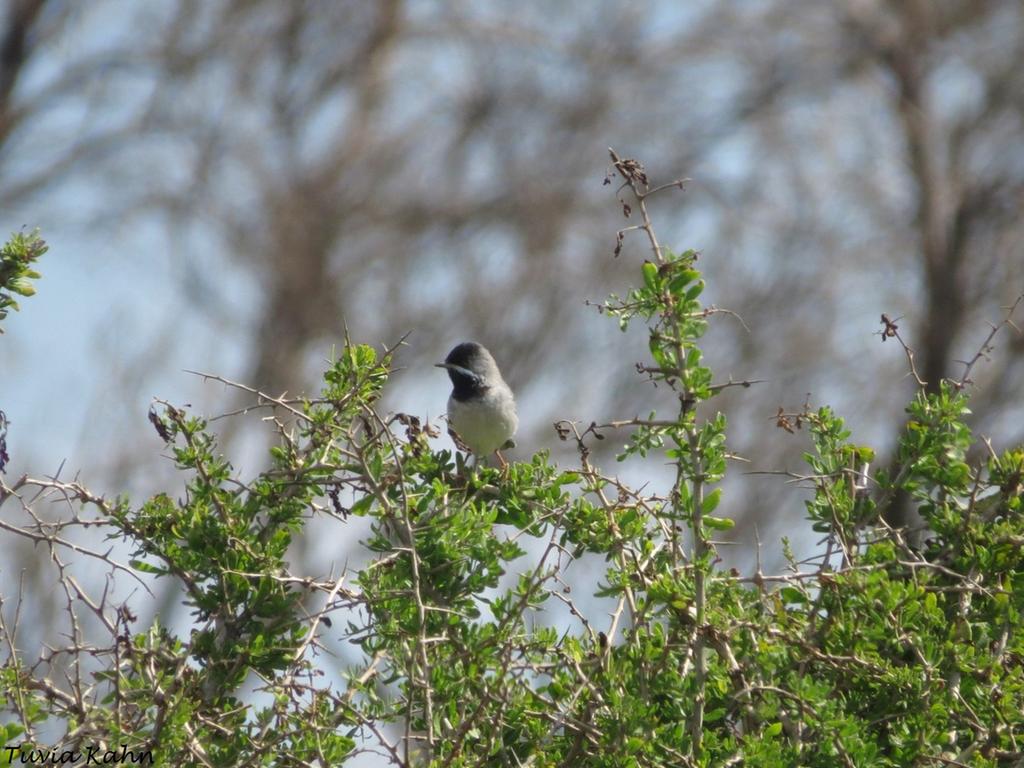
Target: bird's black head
{"points": [[469, 355], [468, 365]]}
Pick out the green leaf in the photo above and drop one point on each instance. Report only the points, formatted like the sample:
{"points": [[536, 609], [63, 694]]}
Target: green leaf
{"points": [[650, 270], [362, 506], [711, 501], [719, 523], [144, 567], [793, 595], [22, 287]]}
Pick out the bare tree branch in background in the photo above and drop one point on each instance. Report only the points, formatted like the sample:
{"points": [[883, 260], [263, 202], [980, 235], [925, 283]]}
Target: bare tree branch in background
{"points": [[14, 51]]}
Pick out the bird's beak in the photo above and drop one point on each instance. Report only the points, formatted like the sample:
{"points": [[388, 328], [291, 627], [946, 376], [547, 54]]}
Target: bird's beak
{"points": [[458, 369]]}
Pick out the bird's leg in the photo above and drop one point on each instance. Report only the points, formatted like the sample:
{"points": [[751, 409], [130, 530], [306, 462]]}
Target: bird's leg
{"points": [[501, 459], [462, 468]]}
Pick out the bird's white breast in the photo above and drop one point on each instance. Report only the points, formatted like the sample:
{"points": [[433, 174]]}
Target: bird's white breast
{"points": [[484, 423]]}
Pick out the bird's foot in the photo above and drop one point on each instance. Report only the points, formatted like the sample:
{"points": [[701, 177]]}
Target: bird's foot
{"points": [[502, 462]]}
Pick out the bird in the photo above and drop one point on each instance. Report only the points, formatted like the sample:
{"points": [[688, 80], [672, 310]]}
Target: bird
{"points": [[481, 408]]}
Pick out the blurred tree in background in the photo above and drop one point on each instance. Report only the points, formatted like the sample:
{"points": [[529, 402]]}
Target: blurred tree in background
{"points": [[265, 172]]}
